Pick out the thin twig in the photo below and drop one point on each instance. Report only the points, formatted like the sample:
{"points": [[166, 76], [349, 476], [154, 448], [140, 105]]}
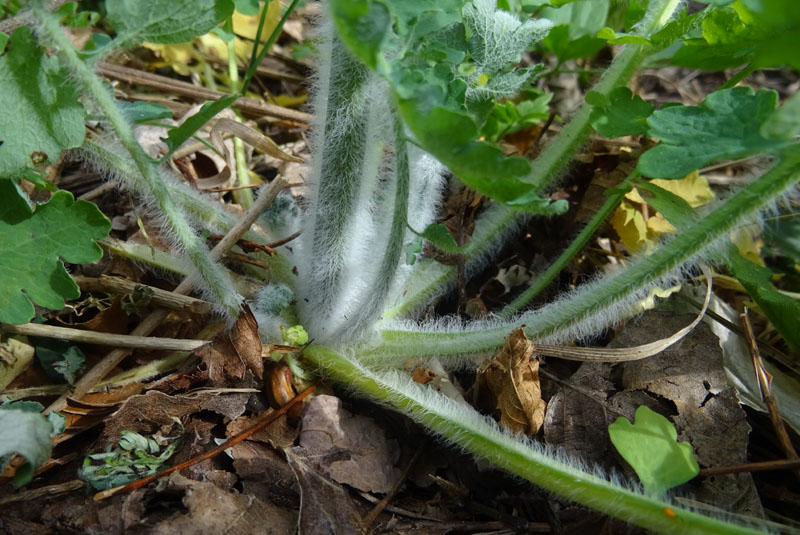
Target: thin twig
{"points": [[765, 384], [105, 339], [149, 324], [164, 298], [765, 466], [50, 490], [248, 106], [139, 483]]}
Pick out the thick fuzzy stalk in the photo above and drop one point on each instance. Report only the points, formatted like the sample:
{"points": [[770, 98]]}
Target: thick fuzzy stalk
{"points": [[430, 279], [596, 305], [355, 221], [480, 436], [216, 284]]}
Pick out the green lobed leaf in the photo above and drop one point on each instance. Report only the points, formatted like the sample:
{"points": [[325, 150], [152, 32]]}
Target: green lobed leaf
{"points": [[726, 125], [498, 37], [650, 446], [166, 21], [25, 433], [625, 114], [443, 103], [41, 113], [762, 33], [33, 244]]}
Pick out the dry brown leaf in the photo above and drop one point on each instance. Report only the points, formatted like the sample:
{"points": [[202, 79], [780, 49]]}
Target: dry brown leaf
{"points": [[369, 457], [232, 354], [325, 507], [513, 378], [146, 413]]}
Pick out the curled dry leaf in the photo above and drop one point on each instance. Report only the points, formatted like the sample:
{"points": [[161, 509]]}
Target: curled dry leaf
{"points": [[512, 376], [253, 138], [232, 354]]}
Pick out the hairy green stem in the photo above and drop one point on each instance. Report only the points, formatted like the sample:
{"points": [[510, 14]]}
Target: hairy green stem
{"points": [[216, 283], [463, 427], [588, 309], [614, 198]]}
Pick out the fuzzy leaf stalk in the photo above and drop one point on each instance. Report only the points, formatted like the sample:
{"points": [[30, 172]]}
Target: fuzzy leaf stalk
{"points": [[367, 183]]}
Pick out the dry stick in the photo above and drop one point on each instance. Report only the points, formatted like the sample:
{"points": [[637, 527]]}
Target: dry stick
{"points": [[163, 298], [148, 325], [764, 466], [248, 106], [105, 339], [139, 483], [765, 384]]}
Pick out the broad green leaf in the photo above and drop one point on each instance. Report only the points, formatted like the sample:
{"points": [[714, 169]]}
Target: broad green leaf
{"points": [[762, 33], [3, 42], [451, 137], [625, 114], [782, 311], [726, 125], [41, 113], [650, 446], [33, 244], [166, 21], [25, 433]]}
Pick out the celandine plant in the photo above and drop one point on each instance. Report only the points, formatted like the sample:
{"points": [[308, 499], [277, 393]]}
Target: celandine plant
{"points": [[392, 80], [402, 92]]}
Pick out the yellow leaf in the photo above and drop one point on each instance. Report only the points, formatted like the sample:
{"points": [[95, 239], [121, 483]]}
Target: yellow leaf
{"points": [[692, 188], [630, 226], [245, 26], [649, 302], [177, 56], [658, 225], [748, 244]]}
